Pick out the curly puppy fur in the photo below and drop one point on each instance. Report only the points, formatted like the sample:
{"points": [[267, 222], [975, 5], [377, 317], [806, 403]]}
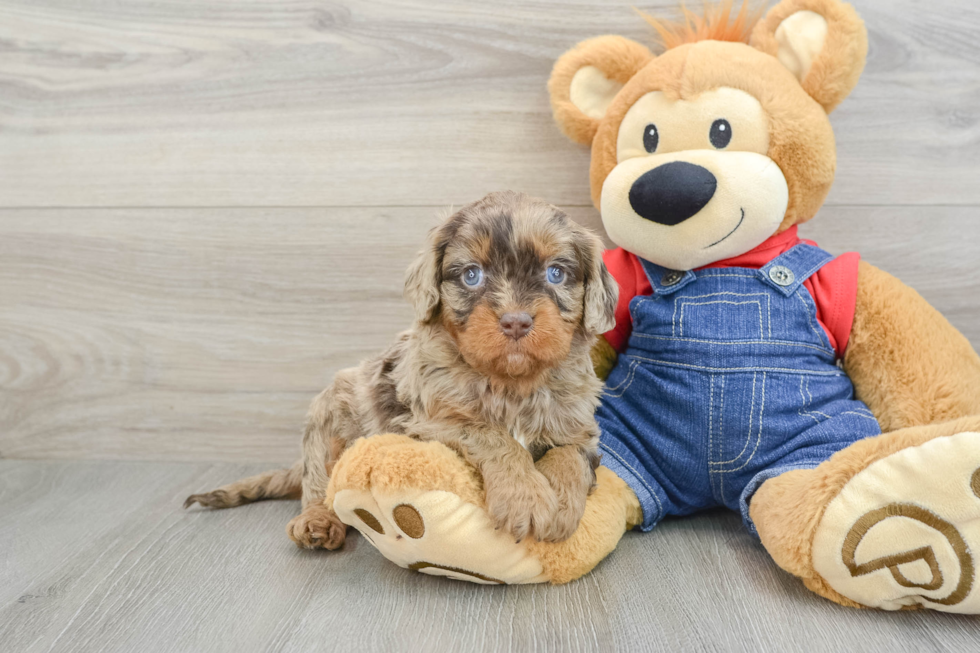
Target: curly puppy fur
{"points": [[520, 409]]}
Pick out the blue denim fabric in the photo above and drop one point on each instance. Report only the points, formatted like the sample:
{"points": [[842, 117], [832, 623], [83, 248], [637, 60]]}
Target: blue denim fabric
{"points": [[728, 380]]}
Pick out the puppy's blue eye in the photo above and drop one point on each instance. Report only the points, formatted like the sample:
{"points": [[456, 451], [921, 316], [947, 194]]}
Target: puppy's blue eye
{"points": [[555, 275], [473, 276]]}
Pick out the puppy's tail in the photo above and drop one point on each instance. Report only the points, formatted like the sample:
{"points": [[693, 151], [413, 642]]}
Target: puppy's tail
{"points": [[277, 484]]}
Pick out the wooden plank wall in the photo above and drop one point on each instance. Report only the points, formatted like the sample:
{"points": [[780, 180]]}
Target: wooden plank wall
{"points": [[206, 208]]}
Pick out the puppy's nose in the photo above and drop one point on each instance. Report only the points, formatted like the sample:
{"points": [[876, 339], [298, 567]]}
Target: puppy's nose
{"points": [[672, 193], [516, 325]]}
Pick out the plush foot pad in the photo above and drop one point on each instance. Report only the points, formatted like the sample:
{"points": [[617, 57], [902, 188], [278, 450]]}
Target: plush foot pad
{"points": [[421, 506], [436, 532], [905, 531]]}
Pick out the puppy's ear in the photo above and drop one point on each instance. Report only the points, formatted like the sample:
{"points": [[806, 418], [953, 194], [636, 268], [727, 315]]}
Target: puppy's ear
{"points": [[587, 78], [601, 290], [424, 275], [822, 42]]}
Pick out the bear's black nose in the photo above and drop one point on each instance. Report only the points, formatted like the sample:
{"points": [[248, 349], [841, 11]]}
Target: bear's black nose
{"points": [[672, 193]]}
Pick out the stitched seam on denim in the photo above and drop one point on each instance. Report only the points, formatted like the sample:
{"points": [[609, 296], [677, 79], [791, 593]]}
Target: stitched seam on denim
{"points": [[721, 415], [639, 477], [810, 400], [673, 319], [762, 413], [769, 313], [803, 412], [643, 299], [748, 437], [711, 422], [631, 375], [725, 292], [620, 384], [862, 411], [667, 291], [780, 343], [809, 319], [860, 414], [721, 487], [718, 481], [790, 466], [742, 276], [785, 370]]}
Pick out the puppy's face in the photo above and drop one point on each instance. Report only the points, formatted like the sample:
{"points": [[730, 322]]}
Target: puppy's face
{"points": [[514, 281]]}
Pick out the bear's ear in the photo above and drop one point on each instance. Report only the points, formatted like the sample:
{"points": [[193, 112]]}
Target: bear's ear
{"points": [[587, 78], [822, 42]]}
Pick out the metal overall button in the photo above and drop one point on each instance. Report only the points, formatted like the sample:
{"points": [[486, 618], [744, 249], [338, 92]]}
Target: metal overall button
{"points": [[781, 275], [671, 278]]}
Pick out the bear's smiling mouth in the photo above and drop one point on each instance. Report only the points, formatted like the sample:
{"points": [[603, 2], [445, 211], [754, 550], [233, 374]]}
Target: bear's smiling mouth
{"points": [[740, 221]]}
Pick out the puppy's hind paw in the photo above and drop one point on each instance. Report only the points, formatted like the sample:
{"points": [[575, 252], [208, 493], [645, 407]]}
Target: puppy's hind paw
{"points": [[318, 527]]}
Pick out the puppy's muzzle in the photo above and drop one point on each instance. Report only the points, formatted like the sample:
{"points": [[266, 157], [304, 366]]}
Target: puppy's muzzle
{"points": [[516, 325], [673, 192]]}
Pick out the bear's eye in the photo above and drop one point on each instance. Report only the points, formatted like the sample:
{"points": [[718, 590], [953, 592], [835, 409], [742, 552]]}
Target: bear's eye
{"points": [[720, 134], [651, 138]]}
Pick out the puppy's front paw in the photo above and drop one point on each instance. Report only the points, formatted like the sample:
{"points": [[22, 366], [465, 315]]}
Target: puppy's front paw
{"points": [[565, 520], [524, 506], [317, 527]]}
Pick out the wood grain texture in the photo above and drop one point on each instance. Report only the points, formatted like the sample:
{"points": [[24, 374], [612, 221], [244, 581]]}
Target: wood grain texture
{"points": [[192, 334], [282, 160], [100, 557], [401, 102]]}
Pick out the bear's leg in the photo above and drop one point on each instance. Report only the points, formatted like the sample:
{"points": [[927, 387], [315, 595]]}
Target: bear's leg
{"points": [[422, 507], [891, 522]]}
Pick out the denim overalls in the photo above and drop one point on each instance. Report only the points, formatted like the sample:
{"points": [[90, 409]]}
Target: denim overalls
{"points": [[728, 380]]}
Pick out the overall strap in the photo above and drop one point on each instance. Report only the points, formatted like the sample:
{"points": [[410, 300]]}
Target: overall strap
{"points": [[787, 272], [664, 280]]}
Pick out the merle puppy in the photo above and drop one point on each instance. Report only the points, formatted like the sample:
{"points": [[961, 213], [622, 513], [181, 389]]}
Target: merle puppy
{"points": [[509, 295]]}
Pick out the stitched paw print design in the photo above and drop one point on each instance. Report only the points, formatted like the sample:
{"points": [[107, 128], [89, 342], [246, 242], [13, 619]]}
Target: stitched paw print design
{"points": [[905, 532], [413, 530]]}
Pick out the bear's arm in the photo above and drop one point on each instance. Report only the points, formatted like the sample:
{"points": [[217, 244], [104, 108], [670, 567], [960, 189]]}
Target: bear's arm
{"points": [[603, 358], [625, 268], [907, 362]]}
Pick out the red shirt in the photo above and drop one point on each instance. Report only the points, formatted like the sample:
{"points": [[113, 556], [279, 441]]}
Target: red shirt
{"points": [[833, 287]]}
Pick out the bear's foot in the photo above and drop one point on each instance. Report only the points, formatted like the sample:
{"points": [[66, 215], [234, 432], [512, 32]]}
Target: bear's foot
{"points": [[437, 533], [890, 522], [905, 531], [423, 508]]}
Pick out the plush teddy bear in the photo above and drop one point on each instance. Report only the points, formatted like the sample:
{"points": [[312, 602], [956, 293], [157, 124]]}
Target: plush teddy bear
{"points": [[818, 396]]}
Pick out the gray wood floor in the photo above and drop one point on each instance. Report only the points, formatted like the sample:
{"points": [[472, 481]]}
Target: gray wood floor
{"points": [[141, 574], [206, 208]]}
